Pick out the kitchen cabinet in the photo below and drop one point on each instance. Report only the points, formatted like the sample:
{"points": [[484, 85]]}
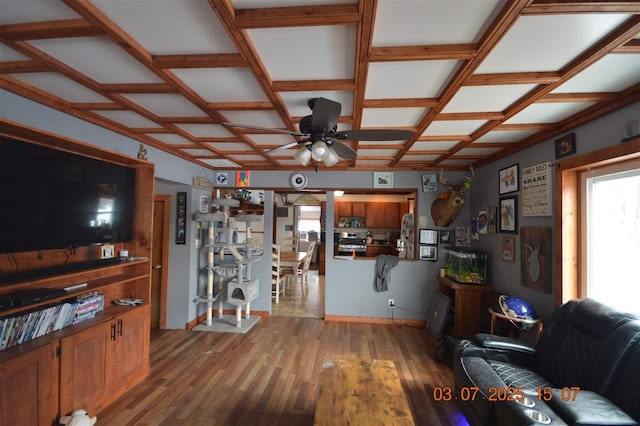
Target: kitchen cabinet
{"points": [[377, 250], [348, 209], [29, 387], [98, 364], [383, 215]]}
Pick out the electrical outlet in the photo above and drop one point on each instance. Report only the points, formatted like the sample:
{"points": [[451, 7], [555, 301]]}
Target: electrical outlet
{"points": [[391, 302]]}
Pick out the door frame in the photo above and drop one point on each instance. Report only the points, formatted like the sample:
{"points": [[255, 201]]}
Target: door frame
{"points": [[164, 272]]}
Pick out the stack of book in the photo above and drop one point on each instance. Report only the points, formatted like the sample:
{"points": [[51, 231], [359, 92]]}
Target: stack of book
{"points": [[36, 323]]}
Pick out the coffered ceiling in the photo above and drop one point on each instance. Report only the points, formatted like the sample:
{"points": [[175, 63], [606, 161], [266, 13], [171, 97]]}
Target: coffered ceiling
{"points": [[474, 80]]}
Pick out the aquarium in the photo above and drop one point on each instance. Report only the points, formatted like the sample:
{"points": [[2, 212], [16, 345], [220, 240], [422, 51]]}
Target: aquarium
{"points": [[466, 266]]}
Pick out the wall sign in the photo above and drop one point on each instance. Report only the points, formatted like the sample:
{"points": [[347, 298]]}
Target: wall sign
{"points": [[536, 190]]}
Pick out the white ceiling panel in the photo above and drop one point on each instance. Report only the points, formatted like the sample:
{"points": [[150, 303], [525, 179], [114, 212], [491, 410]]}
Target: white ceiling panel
{"points": [[167, 27], [206, 130], [548, 112], [317, 52], [419, 157], [564, 37], [477, 151], [127, 118], [457, 127], [98, 59], [382, 164], [411, 22], [613, 73], [221, 163], [377, 152], [231, 146], [379, 117], [269, 119], [21, 11], [426, 146], [264, 139], [166, 104], [456, 162], [408, 79], [196, 152], [8, 54], [60, 86], [254, 157], [504, 136], [170, 138], [486, 98], [223, 84], [296, 102]]}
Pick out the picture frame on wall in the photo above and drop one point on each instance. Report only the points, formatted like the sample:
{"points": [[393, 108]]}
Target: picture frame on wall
{"points": [[428, 253], [204, 204], [508, 179], [565, 145], [382, 179], [508, 249], [445, 236], [428, 236], [181, 217], [430, 182], [509, 215]]}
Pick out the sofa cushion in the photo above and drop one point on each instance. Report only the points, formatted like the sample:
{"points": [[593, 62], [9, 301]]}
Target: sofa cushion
{"points": [[625, 390], [518, 376], [586, 408]]}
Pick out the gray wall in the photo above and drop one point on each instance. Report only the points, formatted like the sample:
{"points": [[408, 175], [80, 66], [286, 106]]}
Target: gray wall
{"points": [[505, 276]]}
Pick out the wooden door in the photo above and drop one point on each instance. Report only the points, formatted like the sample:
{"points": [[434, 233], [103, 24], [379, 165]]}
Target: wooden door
{"points": [[160, 260], [29, 387], [131, 351], [86, 368], [359, 209]]}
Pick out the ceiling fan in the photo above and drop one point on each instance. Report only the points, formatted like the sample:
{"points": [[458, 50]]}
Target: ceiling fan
{"points": [[322, 138]]}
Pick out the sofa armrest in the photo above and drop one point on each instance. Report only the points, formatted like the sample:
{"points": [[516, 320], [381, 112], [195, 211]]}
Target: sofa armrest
{"points": [[587, 408], [491, 341]]}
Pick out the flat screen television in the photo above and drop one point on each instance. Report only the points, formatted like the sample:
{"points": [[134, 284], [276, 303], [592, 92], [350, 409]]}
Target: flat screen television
{"points": [[52, 199]]}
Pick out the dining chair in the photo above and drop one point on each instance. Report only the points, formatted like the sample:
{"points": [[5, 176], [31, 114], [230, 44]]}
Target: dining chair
{"points": [[303, 273], [277, 276], [288, 244]]}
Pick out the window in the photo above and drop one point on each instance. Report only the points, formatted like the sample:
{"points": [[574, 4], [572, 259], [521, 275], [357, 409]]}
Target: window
{"points": [[610, 231]]}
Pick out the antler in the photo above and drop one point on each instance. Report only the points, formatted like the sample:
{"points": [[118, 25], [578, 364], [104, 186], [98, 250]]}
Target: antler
{"points": [[473, 175], [443, 180]]}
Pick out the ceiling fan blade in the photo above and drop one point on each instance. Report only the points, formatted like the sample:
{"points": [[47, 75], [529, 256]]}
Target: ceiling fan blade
{"points": [[325, 114], [343, 150], [373, 135], [285, 132], [283, 147]]}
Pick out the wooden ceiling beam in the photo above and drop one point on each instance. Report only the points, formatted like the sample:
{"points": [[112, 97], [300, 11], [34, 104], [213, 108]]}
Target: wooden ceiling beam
{"points": [[426, 152], [49, 29], [512, 78], [422, 53], [152, 130], [226, 60], [296, 16], [539, 7], [450, 116], [632, 46], [313, 85], [220, 139], [442, 138], [138, 88], [187, 120], [400, 103], [240, 106], [10, 67], [577, 97], [344, 119]]}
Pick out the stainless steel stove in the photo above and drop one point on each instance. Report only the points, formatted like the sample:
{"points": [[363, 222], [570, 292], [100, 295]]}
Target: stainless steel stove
{"points": [[352, 245]]}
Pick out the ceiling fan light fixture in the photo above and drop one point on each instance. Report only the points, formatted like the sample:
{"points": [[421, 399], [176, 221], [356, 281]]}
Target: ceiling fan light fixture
{"points": [[331, 157], [319, 151], [303, 156]]}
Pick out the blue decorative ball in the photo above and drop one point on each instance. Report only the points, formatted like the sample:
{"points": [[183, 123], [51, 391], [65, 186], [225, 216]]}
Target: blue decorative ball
{"points": [[516, 307]]}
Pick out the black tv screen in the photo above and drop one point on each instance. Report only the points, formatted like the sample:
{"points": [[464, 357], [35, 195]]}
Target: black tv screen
{"points": [[53, 199]]}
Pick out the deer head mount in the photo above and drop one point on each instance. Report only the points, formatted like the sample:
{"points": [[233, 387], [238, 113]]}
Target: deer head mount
{"points": [[446, 207]]}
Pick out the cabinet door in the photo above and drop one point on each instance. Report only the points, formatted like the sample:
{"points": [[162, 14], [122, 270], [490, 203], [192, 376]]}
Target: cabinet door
{"points": [[343, 208], [392, 217], [375, 215], [359, 209], [132, 346], [29, 387], [86, 368]]}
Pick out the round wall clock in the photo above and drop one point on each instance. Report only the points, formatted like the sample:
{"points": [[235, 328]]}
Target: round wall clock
{"points": [[298, 180]]}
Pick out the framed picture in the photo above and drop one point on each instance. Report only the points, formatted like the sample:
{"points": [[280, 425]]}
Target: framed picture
{"points": [[181, 217], [566, 145], [508, 253], [382, 180], [429, 253], [462, 236], [428, 236], [508, 178], [430, 182], [222, 178], [204, 204], [445, 236], [483, 221], [509, 215]]}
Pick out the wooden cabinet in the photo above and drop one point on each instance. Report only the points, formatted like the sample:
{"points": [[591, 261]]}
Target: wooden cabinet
{"points": [[375, 251], [322, 259], [467, 305], [89, 364], [29, 386], [348, 208], [383, 215], [100, 363]]}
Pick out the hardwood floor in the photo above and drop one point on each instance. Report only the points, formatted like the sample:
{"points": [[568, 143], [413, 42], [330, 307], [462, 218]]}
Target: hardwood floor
{"points": [[296, 304], [270, 375]]}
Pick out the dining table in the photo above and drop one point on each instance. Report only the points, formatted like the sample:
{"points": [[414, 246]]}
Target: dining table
{"points": [[292, 259]]}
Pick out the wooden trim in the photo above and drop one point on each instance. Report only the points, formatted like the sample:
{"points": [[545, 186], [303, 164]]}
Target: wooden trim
{"points": [[422, 53], [373, 320], [567, 213], [296, 16], [200, 61], [49, 29], [164, 287]]}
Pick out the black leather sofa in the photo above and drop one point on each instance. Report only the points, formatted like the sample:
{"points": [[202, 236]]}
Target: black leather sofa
{"points": [[585, 370]]}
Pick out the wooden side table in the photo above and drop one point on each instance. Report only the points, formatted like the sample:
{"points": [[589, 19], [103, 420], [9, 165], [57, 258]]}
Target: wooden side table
{"points": [[534, 322], [467, 305]]}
